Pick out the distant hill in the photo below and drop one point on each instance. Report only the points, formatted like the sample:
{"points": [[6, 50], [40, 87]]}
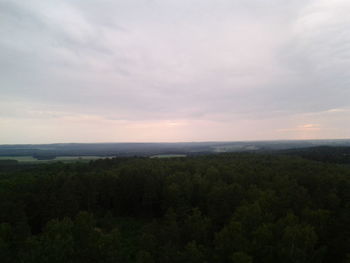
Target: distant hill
{"points": [[50, 151]]}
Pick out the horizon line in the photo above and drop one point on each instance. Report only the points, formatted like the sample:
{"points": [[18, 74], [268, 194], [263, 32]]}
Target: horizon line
{"points": [[169, 142]]}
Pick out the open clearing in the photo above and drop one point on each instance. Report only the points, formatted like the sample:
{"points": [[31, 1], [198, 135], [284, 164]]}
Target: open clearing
{"points": [[168, 155], [31, 159], [19, 158]]}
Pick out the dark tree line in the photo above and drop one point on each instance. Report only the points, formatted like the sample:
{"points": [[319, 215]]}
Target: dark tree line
{"points": [[340, 154], [223, 208]]}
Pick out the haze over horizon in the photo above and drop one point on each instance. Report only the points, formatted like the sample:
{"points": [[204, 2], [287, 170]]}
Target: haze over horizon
{"points": [[170, 71]]}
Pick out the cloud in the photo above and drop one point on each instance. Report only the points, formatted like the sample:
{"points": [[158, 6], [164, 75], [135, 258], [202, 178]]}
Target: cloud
{"points": [[151, 61]]}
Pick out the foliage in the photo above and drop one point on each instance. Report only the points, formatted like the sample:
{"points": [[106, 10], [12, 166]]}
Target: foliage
{"points": [[219, 208]]}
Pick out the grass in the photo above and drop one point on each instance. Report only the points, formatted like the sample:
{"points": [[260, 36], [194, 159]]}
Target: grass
{"points": [[77, 158], [19, 158], [168, 155], [31, 159]]}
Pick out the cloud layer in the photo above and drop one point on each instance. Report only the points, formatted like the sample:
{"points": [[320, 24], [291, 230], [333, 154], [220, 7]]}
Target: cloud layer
{"points": [[166, 70]]}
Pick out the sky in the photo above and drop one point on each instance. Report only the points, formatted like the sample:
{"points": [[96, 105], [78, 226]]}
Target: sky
{"points": [[173, 70]]}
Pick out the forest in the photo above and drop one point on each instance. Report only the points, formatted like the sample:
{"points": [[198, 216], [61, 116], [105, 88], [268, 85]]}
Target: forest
{"points": [[231, 207]]}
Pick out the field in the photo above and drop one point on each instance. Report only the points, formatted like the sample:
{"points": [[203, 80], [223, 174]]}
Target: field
{"points": [[67, 159], [30, 159], [78, 158], [168, 156], [19, 158]]}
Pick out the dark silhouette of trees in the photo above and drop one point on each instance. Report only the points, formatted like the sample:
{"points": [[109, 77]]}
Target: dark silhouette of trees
{"points": [[219, 208]]}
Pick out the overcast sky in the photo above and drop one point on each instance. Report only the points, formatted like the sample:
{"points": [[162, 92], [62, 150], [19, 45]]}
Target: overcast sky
{"points": [[173, 70]]}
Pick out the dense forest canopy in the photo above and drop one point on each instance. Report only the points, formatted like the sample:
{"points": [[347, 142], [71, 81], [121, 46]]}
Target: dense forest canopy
{"points": [[216, 208]]}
